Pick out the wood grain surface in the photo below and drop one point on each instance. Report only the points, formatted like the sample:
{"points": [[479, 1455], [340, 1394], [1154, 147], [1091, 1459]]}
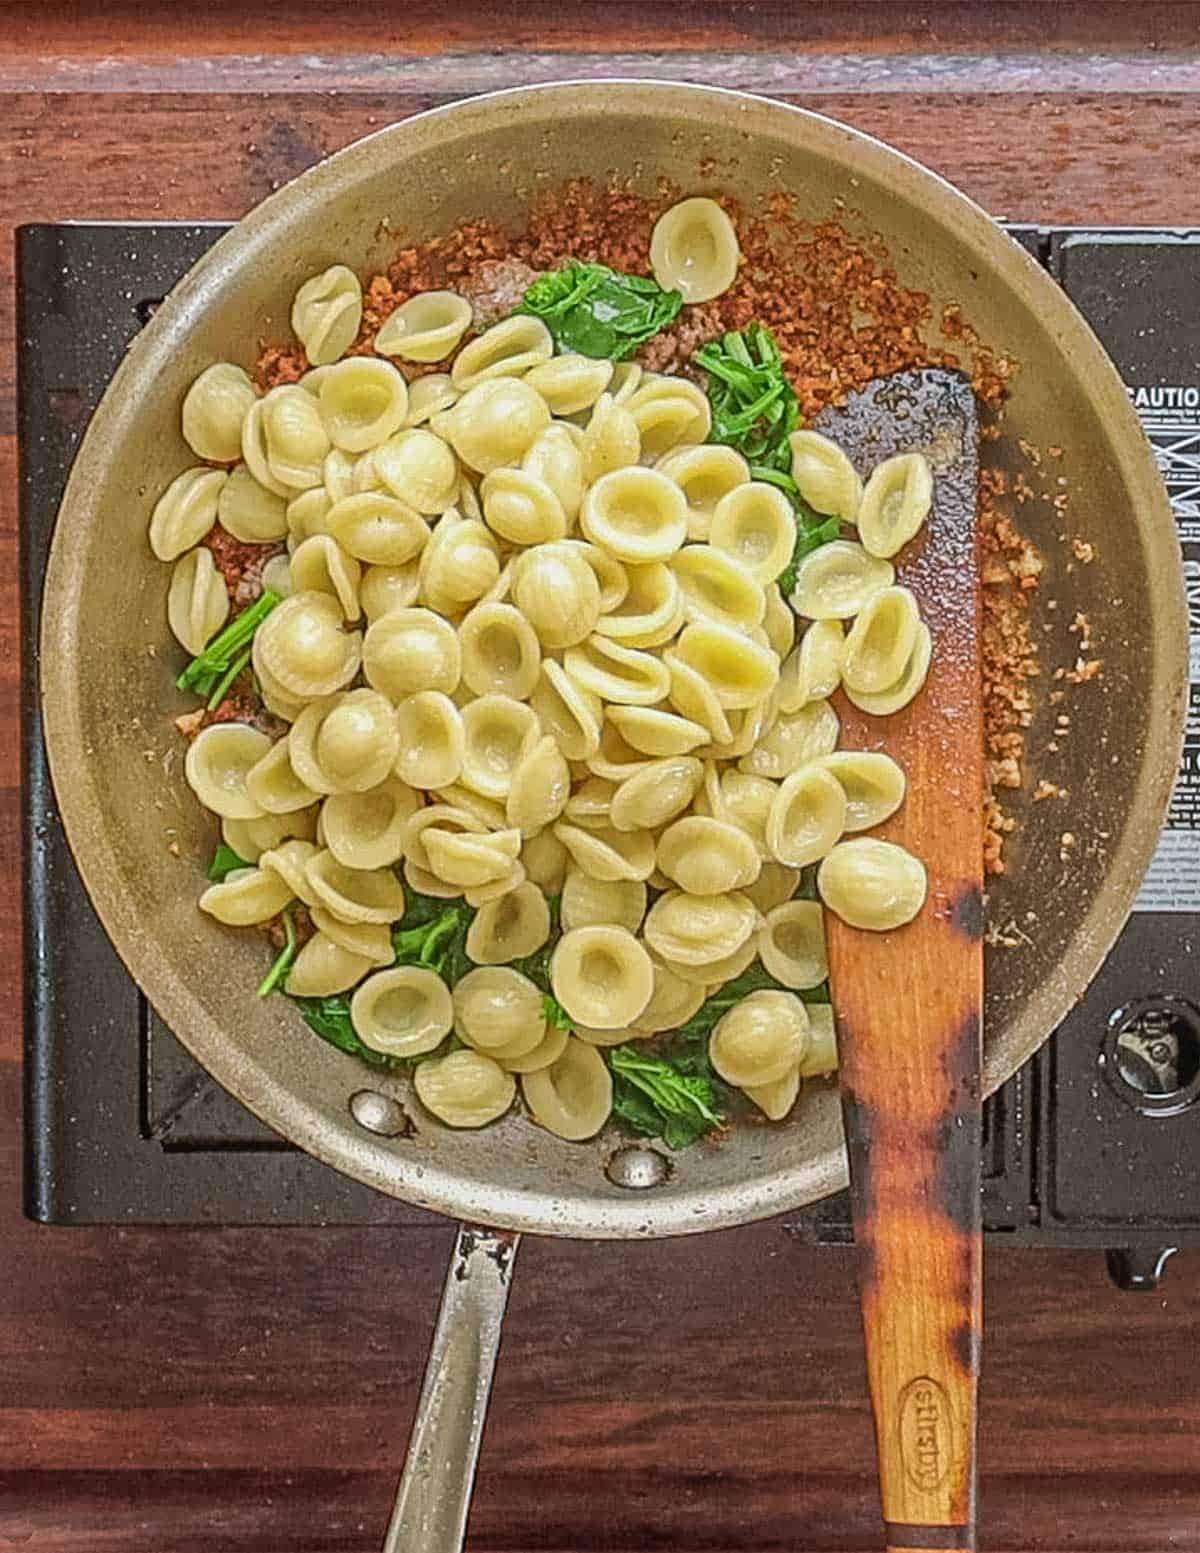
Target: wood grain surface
{"points": [[242, 1392]]}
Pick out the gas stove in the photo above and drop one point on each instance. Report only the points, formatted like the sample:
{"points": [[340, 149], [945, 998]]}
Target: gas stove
{"points": [[1096, 1142]]}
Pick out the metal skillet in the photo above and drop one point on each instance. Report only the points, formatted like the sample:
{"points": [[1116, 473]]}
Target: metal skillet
{"points": [[105, 641]]}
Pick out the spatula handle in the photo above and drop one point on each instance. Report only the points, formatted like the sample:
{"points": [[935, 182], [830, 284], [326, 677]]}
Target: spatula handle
{"points": [[917, 1223]]}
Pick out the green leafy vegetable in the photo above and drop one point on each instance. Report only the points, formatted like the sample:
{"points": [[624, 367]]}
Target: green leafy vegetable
{"points": [[554, 1013], [215, 669], [755, 410], [755, 978], [284, 960], [599, 311], [433, 933], [656, 1096], [330, 1019], [225, 861]]}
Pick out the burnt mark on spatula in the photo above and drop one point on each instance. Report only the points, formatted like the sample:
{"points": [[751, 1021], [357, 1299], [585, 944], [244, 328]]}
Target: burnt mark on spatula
{"points": [[966, 912]]}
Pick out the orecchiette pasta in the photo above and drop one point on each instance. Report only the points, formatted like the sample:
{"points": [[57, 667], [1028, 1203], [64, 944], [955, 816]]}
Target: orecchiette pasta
{"points": [[291, 438], [602, 976], [324, 968], [694, 250], [377, 528], [588, 902], [791, 945], [606, 853], [706, 856], [345, 743], [273, 785], [384, 588], [698, 929], [754, 524], [654, 731], [824, 476], [408, 650], [718, 587], [652, 610], [219, 759], [213, 410], [327, 312], [895, 502], [246, 897], [185, 511], [570, 383], [419, 469], [429, 396], [432, 740], [494, 423], [656, 794], [572, 1097], [882, 703], [872, 783], [740, 671], [793, 741], [822, 1055], [539, 787], [635, 514], [498, 733], [626, 675], [880, 642], [500, 651], [498, 1009], [556, 590], [704, 474], [611, 440], [355, 894], [320, 565], [556, 459], [510, 928], [465, 1089], [807, 817], [507, 349], [459, 565], [872, 884], [668, 413], [521, 508], [249, 839], [814, 670], [251, 512], [363, 401], [365, 830], [427, 327], [197, 600], [761, 1039], [567, 711], [834, 582]]}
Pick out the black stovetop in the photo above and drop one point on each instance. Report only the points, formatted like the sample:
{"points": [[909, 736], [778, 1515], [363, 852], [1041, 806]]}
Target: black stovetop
{"points": [[1094, 1143]]}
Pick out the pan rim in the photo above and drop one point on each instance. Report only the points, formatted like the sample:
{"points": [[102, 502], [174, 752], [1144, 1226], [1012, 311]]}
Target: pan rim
{"points": [[343, 1146]]}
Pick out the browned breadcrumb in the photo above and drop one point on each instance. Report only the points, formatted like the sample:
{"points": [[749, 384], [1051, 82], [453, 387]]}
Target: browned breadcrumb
{"points": [[1046, 789], [241, 705], [841, 318], [240, 564], [1085, 669], [1084, 550], [1081, 626]]}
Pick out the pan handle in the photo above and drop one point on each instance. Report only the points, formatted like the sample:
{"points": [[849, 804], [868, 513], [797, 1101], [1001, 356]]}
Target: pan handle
{"points": [[434, 1496]]}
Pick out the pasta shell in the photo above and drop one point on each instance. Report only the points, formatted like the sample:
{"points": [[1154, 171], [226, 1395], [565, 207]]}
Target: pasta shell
{"points": [[326, 314], [635, 514], [653, 731], [445, 817], [557, 460], [376, 528], [540, 787], [775, 884], [651, 612], [432, 740], [185, 511], [615, 760], [824, 476], [760, 1040], [836, 580], [588, 902], [545, 861], [219, 759], [345, 743], [366, 830], [498, 733], [572, 1098], [427, 327], [384, 588], [213, 410], [251, 512], [487, 811], [696, 699], [494, 423], [566, 711], [590, 804], [324, 968], [429, 884], [791, 945], [471, 861], [779, 622], [355, 894], [673, 1001], [607, 853], [404, 1012], [302, 648], [293, 438], [305, 514], [814, 670], [704, 474], [273, 785], [464, 1089], [556, 590], [656, 794], [615, 673], [363, 401], [704, 856], [881, 641], [755, 525], [429, 396], [500, 652], [246, 897], [197, 600], [794, 741], [516, 925], [822, 1054], [883, 703], [498, 1009], [872, 884], [320, 565], [602, 976], [694, 250], [251, 838], [420, 469], [410, 650], [776, 1099], [521, 508], [717, 587], [548, 1050], [611, 577], [873, 785], [495, 889], [740, 672], [895, 503], [747, 801], [611, 440], [806, 818], [570, 383], [698, 929], [507, 349], [717, 972], [460, 564], [370, 941], [668, 412]]}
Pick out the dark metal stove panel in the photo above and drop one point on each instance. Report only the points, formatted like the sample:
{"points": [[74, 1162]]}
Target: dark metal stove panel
{"points": [[122, 1125]]}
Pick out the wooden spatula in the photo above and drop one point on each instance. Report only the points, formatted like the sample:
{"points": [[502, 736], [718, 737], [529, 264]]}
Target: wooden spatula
{"points": [[908, 1004]]}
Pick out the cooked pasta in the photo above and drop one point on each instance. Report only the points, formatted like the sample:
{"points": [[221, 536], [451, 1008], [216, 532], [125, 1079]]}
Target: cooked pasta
{"points": [[536, 762]]}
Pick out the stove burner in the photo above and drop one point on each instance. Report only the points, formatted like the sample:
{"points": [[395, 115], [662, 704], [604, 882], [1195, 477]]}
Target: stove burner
{"points": [[1152, 1055]]}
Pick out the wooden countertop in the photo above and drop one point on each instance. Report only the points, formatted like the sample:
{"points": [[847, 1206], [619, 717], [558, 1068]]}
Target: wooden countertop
{"points": [[244, 1392]]}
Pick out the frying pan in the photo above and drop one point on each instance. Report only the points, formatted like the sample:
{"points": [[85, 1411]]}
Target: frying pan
{"points": [[108, 697]]}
